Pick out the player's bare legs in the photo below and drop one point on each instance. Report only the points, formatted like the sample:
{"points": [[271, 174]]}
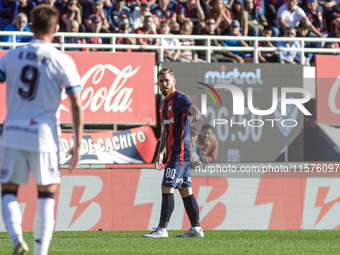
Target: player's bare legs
{"points": [[44, 219]]}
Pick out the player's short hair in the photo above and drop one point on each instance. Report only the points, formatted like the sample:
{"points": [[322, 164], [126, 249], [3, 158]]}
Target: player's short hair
{"points": [[166, 71], [44, 19], [193, 130], [207, 126]]}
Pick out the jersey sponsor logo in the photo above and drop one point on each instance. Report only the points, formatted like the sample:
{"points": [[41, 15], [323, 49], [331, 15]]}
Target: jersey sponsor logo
{"points": [[169, 108], [22, 129], [165, 122]]}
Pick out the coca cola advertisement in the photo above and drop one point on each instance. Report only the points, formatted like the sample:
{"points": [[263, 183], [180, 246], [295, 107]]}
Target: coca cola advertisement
{"points": [[117, 88]]}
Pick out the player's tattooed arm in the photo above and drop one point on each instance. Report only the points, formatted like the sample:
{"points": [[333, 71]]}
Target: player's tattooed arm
{"points": [[161, 150], [196, 113]]}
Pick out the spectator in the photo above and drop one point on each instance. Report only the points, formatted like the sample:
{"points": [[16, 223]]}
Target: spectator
{"points": [[96, 9], [169, 54], [268, 56], [332, 21], [26, 7], [303, 31], [256, 20], [10, 9], [118, 9], [73, 27], [238, 13], [235, 31], [327, 5], [315, 13], [208, 143], [139, 14], [192, 11], [210, 29], [96, 26], [52, 4], [290, 57], [289, 14], [332, 45], [69, 12], [271, 11], [187, 55], [20, 24], [163, 13], [107, 5], [197, 156], [60, 4], [147, 29], [125, 28], [221, 15], [205, 4]]}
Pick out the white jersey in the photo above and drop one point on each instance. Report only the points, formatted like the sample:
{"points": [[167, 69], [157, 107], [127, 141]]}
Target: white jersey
{"points": [[35, 74]]}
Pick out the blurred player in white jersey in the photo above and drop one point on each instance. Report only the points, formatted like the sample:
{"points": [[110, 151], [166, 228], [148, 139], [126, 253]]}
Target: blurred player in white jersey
{"points": [[35, 74]]}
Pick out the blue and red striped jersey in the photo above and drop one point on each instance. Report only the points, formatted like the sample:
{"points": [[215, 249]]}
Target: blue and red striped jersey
{"points": [[174, 112]]}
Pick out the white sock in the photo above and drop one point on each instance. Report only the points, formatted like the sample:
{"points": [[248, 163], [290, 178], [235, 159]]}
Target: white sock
{"points": [[43, 225], [196, 228], [12, 217]]}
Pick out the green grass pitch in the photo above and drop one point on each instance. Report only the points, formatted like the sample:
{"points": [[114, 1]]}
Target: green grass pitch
{"points": [[214, 242]]}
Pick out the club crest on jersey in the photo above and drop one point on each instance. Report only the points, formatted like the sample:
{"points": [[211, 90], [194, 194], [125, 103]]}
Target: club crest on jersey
{"points": [[169, 108], [165, 122]]}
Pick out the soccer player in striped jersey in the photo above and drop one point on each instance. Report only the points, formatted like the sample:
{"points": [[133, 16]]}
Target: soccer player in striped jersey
{"points": [[174, 111], [35, 73]]}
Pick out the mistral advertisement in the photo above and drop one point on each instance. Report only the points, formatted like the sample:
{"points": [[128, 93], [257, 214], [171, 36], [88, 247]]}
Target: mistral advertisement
{"points": [[256, 111], [117, 88], [123, 199]]}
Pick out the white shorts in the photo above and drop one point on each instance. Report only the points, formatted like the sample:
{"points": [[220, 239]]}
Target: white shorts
{"points": [[16, 165]]}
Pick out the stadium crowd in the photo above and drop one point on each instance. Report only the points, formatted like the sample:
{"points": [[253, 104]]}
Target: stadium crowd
{"points": [[268, 18]]}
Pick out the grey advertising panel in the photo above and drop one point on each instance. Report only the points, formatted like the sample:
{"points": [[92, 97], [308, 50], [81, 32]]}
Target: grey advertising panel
{"points": [[259, 117]]}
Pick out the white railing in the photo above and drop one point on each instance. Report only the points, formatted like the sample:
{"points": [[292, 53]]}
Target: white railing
{"points": [[208, 48]]}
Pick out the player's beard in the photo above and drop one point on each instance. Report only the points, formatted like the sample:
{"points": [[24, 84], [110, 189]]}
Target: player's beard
{"points": [[168, 92]]}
